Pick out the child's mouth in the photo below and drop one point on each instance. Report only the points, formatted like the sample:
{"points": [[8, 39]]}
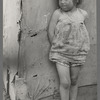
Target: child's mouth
{"points": [[64, 6]]}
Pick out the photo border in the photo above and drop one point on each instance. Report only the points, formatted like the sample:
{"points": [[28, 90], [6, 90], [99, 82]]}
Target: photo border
{"points": [[98, 49], [1, 49]]}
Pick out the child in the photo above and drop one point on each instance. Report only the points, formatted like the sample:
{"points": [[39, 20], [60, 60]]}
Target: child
{"points": [[69, 45]]}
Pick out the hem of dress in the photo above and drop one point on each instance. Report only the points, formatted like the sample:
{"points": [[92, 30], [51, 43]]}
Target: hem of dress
{"points": [[66, 61]]}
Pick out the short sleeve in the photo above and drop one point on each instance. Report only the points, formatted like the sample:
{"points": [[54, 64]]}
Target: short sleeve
{"points": [[84, 13]]}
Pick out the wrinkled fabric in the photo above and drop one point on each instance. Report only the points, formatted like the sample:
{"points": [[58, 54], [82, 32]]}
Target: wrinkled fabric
{"points": [[71, 41]]}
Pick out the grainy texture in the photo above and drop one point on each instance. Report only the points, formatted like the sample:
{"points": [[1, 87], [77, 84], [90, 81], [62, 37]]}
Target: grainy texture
{"points": [[89, 72], [35, 45], [40, 74], [85, 93], [11, 15]]}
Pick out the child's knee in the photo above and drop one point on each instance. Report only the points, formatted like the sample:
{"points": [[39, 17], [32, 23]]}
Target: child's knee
{"points": [[65, 84], [74, 81]]}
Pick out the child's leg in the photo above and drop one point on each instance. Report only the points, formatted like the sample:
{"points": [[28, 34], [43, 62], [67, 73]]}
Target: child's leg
{"points": [[74, 73], [64, 75]]}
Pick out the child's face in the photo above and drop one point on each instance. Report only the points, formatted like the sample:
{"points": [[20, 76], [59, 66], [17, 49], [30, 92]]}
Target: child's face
{"points": [[66, 5]]}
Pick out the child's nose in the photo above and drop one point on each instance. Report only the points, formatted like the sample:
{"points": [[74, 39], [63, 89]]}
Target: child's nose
{"points": [[63, 1]]}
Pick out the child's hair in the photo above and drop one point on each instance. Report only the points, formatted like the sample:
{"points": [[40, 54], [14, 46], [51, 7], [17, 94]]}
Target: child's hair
{"points": [[77, 2]]}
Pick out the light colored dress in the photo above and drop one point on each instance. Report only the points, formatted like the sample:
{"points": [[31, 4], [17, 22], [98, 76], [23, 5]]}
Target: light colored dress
{"points": [[71, 40]]}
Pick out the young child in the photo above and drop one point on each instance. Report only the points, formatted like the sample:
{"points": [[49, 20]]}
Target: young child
{"points": [[69, 45]]}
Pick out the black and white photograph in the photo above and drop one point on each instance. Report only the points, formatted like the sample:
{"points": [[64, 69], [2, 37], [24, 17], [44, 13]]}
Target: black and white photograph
{"points": [[50, 50]]}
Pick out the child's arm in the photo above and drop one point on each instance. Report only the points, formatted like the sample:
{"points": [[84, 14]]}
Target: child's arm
{"points": [[87, 40], [52, 25], [85, 17]]}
